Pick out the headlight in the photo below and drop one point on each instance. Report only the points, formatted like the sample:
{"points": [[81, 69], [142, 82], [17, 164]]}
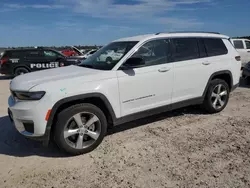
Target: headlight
{"points": [[28, 95]]}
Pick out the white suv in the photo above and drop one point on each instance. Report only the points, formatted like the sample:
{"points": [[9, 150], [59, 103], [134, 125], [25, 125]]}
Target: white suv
{"points": [[74, 105]]}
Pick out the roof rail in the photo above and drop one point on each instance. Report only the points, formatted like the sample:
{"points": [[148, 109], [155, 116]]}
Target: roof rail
{"points": [[188, 32]]}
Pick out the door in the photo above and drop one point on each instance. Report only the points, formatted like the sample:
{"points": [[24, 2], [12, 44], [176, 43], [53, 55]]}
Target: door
{"points": [[241, 46], [195, 60], [34, 59], [51, 59], [148, 86]]}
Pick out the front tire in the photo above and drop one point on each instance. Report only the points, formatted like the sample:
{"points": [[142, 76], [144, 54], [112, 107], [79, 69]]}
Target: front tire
{"points": [[80, 128], [217, 96]]}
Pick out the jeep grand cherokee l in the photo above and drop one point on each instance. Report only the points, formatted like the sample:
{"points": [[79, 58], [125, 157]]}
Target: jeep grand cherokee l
{"points": [[74, 105]]}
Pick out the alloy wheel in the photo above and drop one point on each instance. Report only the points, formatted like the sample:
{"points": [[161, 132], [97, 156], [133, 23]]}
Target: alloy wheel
{"points": [[219, 96], [82, 130]]}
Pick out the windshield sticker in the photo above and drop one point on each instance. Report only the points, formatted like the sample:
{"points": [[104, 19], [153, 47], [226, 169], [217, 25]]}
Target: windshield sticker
{"points": [[63, 90]]}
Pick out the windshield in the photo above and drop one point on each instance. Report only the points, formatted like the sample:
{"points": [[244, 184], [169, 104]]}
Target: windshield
{"points": [[108, 56]]}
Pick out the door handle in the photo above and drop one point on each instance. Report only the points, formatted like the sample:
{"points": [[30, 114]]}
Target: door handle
{"points": [[164, 69], [206, 63]]}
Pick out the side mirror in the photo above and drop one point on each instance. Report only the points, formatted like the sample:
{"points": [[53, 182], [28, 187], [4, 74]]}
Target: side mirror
{"points": [[134, 62]]}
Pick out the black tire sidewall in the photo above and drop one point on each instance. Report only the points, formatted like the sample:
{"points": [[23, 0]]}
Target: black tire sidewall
{"points": [[21, 69], [208, 103], [63, 118]]}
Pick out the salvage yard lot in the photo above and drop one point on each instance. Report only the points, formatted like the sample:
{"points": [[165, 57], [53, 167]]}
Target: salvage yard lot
{"points": [[184, 148]]}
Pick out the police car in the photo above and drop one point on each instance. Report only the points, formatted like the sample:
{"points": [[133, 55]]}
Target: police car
{"points": [[20, 61]]}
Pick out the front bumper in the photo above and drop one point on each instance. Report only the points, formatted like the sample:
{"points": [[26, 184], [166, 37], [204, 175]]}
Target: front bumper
{"points": [[28, 118]]}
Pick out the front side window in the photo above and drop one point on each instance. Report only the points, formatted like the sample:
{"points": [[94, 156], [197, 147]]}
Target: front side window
{"points": [[185, 49], [154, 52], [215, 47], [238, 44], [48, 53], [52, 54], [108, 56], [248, 44]]}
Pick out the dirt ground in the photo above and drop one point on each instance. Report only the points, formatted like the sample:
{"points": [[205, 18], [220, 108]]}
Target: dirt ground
{"points": [[184, 148]]}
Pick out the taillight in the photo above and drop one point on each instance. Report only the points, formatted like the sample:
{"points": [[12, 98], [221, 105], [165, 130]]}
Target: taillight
{"points": [[4, 60], [237, 58]]}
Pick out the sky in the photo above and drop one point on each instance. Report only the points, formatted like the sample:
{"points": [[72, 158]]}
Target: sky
{"points": [[97, 22]]}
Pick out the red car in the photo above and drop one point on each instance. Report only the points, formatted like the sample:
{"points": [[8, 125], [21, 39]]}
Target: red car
{"points": [[70, 52]]}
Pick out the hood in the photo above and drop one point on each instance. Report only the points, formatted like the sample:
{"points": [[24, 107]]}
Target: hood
{"points": [[27, 81], [76, 49]]}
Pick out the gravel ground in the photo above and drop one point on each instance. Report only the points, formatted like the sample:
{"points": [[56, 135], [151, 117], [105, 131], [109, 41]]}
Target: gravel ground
{"points": [[184, 148]]}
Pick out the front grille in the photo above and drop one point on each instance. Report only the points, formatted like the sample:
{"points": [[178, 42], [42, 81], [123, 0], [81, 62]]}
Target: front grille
{"points": [[29, 127]]}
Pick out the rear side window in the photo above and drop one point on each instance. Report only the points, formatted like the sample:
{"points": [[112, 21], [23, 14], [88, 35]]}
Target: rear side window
{"points": [[215, 47], [33, 53], [185, 49], [238, 44]]}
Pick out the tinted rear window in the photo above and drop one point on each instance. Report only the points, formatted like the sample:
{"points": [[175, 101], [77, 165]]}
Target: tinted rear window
{"points": [[185, 49], [215, 47]]}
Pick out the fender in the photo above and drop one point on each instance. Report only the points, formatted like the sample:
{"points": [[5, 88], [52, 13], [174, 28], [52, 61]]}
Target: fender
{"points": [[216, 74], [71, 99]]}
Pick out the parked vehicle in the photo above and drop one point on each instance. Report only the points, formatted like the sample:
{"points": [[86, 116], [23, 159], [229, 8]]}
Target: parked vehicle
{"points": [[70, 52], [110, 56], [243, 47], [89, 53], [21, 61], [74, 105]]}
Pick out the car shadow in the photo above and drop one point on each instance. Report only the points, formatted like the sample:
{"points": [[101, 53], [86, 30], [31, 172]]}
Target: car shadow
{"points": [[12, 143], [3, 77], [155, 118], [244, 83]]}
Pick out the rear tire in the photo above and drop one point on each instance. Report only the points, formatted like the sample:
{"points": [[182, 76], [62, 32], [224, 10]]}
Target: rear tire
{"points": [[217, 96], [79, 141], [20, 71]]}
